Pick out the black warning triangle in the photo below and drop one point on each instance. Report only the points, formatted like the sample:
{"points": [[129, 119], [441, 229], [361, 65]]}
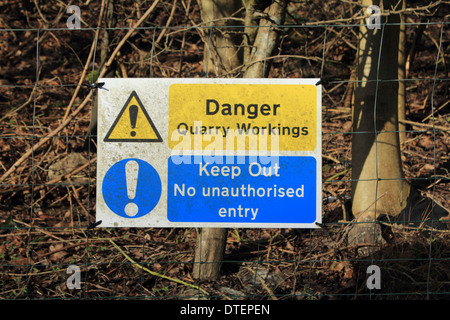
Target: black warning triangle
{"points": [[133, 124]]}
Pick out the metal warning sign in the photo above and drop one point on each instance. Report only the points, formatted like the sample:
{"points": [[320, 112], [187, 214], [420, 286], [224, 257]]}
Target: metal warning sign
{"points": [[209, 153], [133, 124], [261, 110]]}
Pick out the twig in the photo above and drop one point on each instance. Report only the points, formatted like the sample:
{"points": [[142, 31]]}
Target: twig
{"points": [[155, 273], [420, 228], [272, 295], [83, 104], [77, 198], [66, 119], [42, 231], [86, 66], [337, 175], [168, 22], [431, 114], [281, 56], [51, 182], [11, 112], [337, 248], [47, 138], [425, 125], [125, 38]]}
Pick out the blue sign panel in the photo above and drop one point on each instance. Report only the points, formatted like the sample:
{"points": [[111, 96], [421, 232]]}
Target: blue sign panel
{"points": [[131, 193], [283, 191]]}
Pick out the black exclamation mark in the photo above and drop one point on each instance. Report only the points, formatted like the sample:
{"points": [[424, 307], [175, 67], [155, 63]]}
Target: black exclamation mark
{"points": [[133, 117]]}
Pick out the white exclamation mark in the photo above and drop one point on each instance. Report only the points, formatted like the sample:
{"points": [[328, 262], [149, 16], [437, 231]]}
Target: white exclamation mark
{"points": [[131, 173]]}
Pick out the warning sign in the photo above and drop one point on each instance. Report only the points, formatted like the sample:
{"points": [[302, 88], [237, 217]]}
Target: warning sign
{"points": [[133, 124], [250, 192], [231, 153], [263, 113], [131, 188]]}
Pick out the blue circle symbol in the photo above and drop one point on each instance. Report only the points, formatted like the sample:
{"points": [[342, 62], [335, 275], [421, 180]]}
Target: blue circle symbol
{"points": [[131, 193]]}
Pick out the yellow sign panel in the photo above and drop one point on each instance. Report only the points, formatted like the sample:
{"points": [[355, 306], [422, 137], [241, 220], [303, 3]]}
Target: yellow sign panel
{"points": [[133, 124], [243, 117]]}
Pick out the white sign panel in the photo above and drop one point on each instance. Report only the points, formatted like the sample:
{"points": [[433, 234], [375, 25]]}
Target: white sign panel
{"points": [[242, 153]]}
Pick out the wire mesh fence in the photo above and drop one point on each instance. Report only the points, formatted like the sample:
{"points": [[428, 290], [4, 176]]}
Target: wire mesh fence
{"points": [[49, 247]]}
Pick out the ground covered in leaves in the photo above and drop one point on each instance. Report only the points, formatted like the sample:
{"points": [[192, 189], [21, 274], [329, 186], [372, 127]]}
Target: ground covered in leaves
{"points": [[44, 217]]}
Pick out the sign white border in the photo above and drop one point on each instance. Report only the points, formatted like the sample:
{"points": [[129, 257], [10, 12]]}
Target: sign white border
{"points": [[154, 94]]}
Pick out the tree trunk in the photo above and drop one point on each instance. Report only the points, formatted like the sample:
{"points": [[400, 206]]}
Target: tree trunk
{"points": [[222, 56], [379, 190], [378, 185], [222, 52], [402, 75], [209, 253], [266, 37], [90, 143]]}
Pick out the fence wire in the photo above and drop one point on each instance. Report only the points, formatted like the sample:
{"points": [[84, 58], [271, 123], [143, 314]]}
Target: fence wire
{"points": [[48, 184]]}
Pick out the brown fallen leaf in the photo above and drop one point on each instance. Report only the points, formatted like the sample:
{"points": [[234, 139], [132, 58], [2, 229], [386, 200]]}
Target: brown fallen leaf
{"points": [[59, 253], [347, 126], [426, 142], [426, 169]]}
